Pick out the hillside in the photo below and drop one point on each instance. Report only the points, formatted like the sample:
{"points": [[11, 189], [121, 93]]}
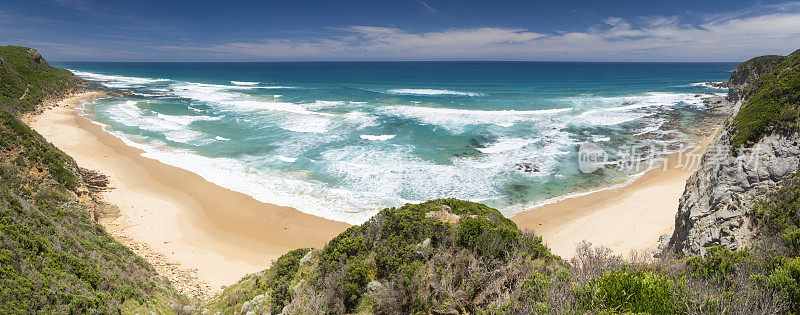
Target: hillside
{"points": [[54, 258], [26, 79], [457, 257]]}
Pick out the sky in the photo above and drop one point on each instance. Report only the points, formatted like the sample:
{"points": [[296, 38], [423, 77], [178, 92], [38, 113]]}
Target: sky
{"points": [[306, 30]]}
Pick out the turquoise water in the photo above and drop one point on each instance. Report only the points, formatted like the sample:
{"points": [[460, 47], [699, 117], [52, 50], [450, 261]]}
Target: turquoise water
{"points": [[342, 140]]}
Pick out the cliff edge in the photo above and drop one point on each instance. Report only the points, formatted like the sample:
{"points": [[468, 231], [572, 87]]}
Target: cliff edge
{"points": [[755, 150]]}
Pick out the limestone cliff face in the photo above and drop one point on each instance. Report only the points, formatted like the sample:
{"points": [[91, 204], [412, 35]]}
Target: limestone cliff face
{"points": [[714, 208]]}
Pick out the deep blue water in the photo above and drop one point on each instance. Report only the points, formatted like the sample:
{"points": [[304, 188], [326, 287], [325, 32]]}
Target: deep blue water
{"points": [[344, 139]]}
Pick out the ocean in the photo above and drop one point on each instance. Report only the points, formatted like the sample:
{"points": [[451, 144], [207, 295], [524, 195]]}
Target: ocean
{"points": [[342, 140]]}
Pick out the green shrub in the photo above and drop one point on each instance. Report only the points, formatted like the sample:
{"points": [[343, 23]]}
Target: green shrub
{"points": [[629, 291], [353, 283], [785, 279], [534, 289], [485, 237], [282, 273], [24, 83], [718, 262], [779, 213]]}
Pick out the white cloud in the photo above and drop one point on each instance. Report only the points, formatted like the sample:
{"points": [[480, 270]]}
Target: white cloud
{"points": [[649, 38]]}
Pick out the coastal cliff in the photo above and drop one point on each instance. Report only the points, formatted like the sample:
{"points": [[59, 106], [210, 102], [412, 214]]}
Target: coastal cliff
{"points": [[754, 151], [54, 257]]}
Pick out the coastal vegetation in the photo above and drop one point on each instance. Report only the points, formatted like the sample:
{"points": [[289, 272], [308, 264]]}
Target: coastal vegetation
{"points": [[54, 257], [451, 256], [26, 79], [773, 100]]}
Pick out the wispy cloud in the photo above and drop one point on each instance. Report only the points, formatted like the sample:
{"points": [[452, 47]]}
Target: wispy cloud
{"points": [[650, 38], [80, 5], [426, 6]]}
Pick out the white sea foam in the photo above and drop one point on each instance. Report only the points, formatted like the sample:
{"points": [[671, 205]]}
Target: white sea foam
{"points": [[244, 83], [609, 111], [286, 159], [506, 144], [377, 137], [276, 187], [174, 128], [597, 138], [431, 92], [710, 85], [116, 81], [218, 138], [456, 119]]}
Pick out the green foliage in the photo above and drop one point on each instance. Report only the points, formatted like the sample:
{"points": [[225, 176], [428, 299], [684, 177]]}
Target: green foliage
{"points": [[35, 152], [282, 273], [26, 79], [402, 248], [486, 237], [353, 282], [718, 262], [785, 278], [274, 284], [54, 258], [534, 289], [629, 291], [779, 213], [772, 104]]}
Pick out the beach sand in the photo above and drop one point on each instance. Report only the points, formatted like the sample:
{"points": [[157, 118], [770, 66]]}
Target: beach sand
{"points": [[190, 229], [625, 219]]}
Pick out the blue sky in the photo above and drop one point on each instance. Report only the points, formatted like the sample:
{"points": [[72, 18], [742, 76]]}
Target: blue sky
{"points": [[95, 30]]}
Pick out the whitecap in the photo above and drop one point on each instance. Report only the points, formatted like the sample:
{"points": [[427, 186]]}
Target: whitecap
{"points": [[244, 83], [377, 137], [456, 119], [711, 85], [175, 128], [286, 159], [431, 92], [116, 81], [505, 144]]}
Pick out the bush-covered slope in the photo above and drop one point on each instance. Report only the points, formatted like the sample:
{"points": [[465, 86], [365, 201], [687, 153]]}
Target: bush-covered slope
{"points": [[53, 257], [771, 103], [749, 71], [456, 257], [26, 79], [442, 256]]}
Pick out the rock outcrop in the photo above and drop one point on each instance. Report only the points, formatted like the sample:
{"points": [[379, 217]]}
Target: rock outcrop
{"points": [[36, 57], [716, 203]]}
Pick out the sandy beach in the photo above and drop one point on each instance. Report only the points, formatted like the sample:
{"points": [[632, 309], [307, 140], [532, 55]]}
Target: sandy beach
{"points": [[624, 219], [186, 226]]}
